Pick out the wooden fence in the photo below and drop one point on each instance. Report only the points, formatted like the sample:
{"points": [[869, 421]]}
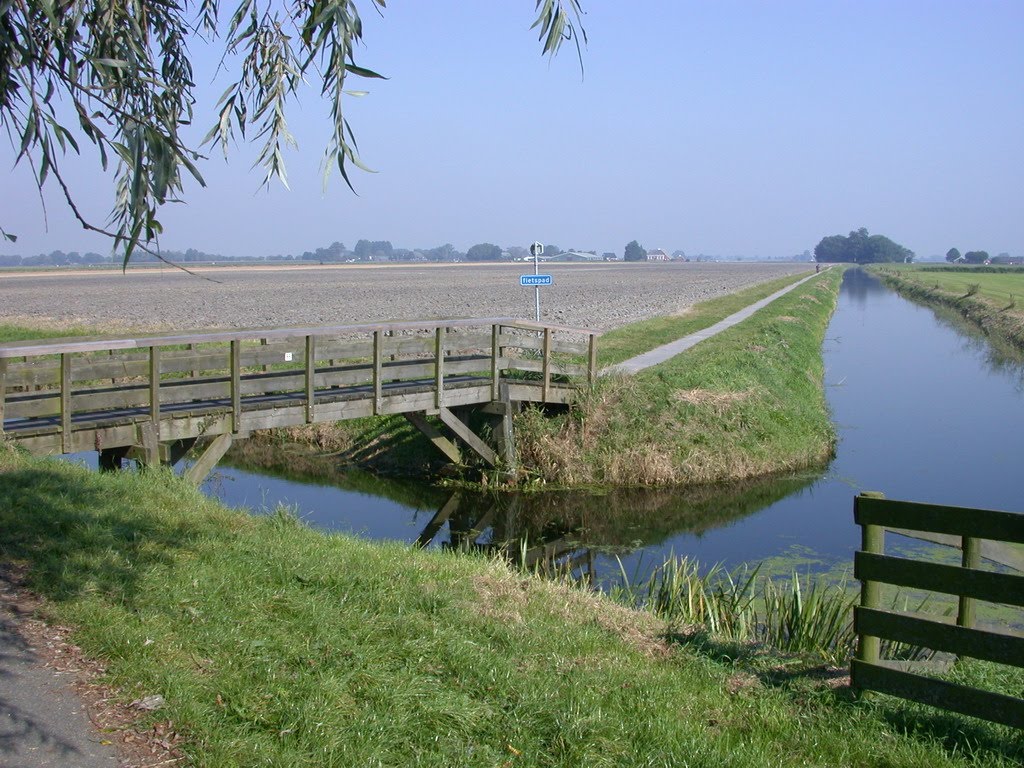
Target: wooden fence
{"points": [[968, 581]]}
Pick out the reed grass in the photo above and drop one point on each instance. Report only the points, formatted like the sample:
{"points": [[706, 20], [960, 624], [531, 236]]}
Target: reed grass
{"points": [[803, 615]]}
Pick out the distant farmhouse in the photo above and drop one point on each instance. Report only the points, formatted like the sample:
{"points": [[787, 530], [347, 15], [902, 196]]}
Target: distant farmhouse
{"points": [[658, 255]]}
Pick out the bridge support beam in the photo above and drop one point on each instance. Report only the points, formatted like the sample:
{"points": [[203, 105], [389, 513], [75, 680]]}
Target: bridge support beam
{"points": [[501, 412], [213, 453], [442, 443], [464, 433]]}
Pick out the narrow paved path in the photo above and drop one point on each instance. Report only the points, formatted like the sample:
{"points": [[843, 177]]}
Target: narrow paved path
{"points": [[673, 348], [42, 721]]}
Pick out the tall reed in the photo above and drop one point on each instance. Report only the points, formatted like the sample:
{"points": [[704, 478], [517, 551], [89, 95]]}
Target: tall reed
{"points": [[801, 615]]}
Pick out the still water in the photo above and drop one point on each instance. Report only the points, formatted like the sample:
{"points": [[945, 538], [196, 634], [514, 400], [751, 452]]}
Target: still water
{"points": [[924, 411]]}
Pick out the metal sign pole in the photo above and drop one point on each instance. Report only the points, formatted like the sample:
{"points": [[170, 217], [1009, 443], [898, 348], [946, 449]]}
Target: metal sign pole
{"points": [[537, 249], [536, 271]]}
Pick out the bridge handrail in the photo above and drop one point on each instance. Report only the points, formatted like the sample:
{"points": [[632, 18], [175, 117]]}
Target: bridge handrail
{"points": [[36, 347]]}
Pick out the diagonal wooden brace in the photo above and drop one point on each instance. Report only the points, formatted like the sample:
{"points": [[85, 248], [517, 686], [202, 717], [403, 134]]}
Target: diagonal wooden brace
{"points": [[464, 433]]}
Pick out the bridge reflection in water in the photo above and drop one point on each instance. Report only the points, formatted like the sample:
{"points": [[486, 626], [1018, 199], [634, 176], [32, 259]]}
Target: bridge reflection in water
{"points": [[496, 525]]}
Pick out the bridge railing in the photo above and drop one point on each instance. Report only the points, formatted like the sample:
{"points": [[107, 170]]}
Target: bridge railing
{"points": [[69, 385]]}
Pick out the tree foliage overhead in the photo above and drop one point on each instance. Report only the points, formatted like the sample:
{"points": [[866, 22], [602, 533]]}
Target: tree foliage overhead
{"points": [[117, 74], [860, 248]]}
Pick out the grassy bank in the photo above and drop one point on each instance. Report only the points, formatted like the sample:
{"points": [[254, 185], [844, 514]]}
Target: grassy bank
{"points": [[567, 452], [746, 403], [276, 645], [990, 297], [636, 338]]}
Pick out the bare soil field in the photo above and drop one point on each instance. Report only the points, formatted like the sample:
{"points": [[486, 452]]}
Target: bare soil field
{"points": [[597, 296]]}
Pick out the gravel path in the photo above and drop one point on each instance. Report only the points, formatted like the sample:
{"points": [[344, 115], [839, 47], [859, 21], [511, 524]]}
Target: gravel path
{"points": [[599, 296]]}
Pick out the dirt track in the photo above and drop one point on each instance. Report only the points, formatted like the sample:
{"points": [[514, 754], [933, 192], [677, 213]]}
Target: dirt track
{"points": [[597, 296]]}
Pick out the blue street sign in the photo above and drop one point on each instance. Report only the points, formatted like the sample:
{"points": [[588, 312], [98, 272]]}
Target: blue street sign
{"points": [[535, 279]]}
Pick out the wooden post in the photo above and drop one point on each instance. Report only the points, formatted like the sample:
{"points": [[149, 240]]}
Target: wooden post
{"points": [[439, 367], [310, 377], [378, 364], [154, 387], [546, 387], [971, 559], [65, 402], [872, 540], [236, 385], [3, 391], [194, 374], [592, 360], [495, 381], [266, 366]]}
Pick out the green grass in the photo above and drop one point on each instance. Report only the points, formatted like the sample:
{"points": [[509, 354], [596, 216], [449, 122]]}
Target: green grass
{"points": [[991, 298], [277, 645], [746, 403], [10, 332], [997, 287], [636, 338]]}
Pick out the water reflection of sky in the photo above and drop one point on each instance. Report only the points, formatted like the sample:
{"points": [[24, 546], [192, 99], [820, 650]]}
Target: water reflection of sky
{"points": [[923, 412]]}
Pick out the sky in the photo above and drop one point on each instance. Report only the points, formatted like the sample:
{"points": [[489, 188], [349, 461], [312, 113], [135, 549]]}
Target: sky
{"points": [[725, 128]]}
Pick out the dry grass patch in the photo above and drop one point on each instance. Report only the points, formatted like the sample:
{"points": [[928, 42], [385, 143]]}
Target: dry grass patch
{"points": [[507, 597], [643, 465], [719, 402]]}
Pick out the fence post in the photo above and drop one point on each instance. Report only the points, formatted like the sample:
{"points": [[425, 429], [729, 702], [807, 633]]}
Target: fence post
{"points": [[236, 385], [872, 540], [3, 391], [495, 341], [592, 360], [971, 559], [546, 365], [439, 367], [154, 387], [310, 377], [378, 365], [65, 402]]}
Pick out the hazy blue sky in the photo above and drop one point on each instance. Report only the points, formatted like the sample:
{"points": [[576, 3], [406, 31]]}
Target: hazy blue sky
{"points": [[716, 127]]}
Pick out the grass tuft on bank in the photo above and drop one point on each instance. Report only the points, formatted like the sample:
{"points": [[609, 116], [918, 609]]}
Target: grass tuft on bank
{"points": [[746, 403], [273, 644]]}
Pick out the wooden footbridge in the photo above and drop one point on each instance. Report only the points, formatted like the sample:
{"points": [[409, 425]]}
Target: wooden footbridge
{"points": [[154, 398]]}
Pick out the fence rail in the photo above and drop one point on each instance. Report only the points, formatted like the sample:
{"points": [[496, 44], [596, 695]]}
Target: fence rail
{"points": [[967, 581]]}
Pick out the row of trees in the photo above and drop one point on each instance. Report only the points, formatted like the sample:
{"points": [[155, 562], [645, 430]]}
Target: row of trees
{"points": [[336, 252], [859, 247], [971, 257]]}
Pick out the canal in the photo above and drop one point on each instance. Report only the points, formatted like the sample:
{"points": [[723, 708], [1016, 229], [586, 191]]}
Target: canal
{"points": [[924, 411]]}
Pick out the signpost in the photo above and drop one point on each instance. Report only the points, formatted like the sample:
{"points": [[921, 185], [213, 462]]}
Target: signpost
{"points": [[536, 279]]}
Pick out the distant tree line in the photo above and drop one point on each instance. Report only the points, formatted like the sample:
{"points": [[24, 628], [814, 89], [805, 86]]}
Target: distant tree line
{"points": [[859, 247], [373, 251], [973, 257]]}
